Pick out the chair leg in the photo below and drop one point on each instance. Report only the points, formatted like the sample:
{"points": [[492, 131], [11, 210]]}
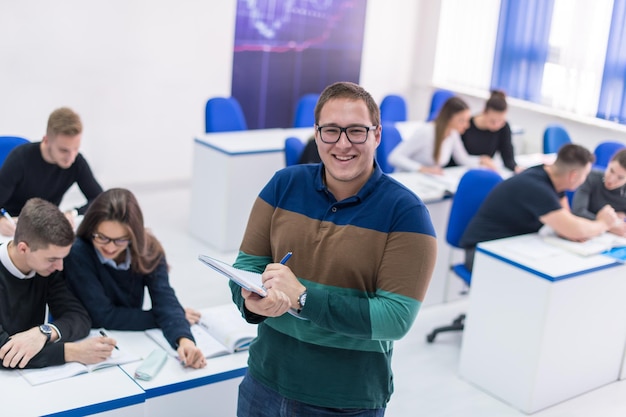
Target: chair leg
{"points": [[457, 325]]}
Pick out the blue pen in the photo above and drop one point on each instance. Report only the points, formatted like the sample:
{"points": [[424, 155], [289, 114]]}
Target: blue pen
{"points": [[9, 218], [286, 258]]}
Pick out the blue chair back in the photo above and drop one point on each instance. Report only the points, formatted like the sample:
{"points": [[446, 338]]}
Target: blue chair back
{"points": [[554, 137], [393, 108], [436, 102], [7, 143], [390, 138], [605, 151], [304, 115], [293, 150], [224, 115]]}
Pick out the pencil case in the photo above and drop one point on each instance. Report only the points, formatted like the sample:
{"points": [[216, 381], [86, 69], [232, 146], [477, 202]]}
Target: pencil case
{"points": [[151, 366]]}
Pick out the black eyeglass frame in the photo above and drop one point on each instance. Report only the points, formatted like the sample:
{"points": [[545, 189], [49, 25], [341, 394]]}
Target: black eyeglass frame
{"points": [[345, 130], [105, 240]]}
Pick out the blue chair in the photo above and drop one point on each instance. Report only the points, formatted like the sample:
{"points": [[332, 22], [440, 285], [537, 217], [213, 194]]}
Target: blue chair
{"points": [[604, 152], [293, 150], [7, 143], [393, 108], [224, 115], [474, 186], [390, 138], [304, 115], [436, 102], [554, 137]]}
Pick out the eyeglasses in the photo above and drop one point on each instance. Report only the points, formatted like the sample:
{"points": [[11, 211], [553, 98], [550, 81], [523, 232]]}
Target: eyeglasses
{"points": [[354, 134], [103, 240]]}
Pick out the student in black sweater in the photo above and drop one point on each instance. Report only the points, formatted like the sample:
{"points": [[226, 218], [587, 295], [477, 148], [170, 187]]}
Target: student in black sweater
{"points": [[30, 278], [47, 169], [111, 263]]}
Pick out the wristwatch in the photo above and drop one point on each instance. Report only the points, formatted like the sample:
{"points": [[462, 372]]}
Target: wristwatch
{"points": [[47, 330], [301, 301]]}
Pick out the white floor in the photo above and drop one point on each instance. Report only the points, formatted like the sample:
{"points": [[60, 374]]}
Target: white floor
{"points": [[426, 379]]}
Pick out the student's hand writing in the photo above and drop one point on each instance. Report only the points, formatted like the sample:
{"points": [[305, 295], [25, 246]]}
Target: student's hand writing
{"points": [[608, 216], [89, 351], [619, 229], [21, 348], [280, 277], [275, 304], [192, 316], [436, 170], [6, 227], [190, 355]]}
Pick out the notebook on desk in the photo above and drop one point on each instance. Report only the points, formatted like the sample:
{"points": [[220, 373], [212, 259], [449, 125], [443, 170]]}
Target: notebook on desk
{"points": [[593, 246]]}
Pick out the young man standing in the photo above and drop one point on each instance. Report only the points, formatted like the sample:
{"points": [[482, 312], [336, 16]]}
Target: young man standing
{"points": [[47, 169], [363, 249], [30, 278]]}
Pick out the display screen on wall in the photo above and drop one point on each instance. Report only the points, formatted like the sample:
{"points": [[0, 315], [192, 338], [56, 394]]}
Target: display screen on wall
{"points": [[285, 49]]}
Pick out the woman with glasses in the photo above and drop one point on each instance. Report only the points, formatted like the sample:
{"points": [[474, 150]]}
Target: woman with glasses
{"points": [[112, 261], [432, 145]]}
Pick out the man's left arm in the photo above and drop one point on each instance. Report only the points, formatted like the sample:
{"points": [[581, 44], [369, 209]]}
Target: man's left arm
{"points": [[68, 314], [87, 183]]}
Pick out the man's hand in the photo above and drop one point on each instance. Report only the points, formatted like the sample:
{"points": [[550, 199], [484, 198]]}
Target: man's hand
{"points": [[21, 347], [89, 351], [190, 355], [608, 216], [279, 277], [7, 228], [275, 304]]}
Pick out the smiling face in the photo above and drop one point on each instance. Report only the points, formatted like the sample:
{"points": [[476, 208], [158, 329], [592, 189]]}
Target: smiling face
{"points": [[111, 238], [614, 175], [347, 166]]}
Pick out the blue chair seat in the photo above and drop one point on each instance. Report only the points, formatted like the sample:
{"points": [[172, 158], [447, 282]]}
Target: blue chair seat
{"points": [[224, 114], [7, 143]]}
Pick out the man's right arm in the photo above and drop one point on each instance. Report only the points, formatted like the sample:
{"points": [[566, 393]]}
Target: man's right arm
{"points": [[576, 228]]}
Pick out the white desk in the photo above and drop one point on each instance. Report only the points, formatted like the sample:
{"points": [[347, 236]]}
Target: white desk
{"points": [[212, 390], [229, 171], [543, 325], [107, 392]]}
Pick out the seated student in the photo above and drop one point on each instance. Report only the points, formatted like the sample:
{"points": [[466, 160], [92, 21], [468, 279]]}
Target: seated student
{"points": [[489, 132], [310, 155], [113, 259], [536, 197], [30, 278], [602, 188], [47, 169], [433, 143]]}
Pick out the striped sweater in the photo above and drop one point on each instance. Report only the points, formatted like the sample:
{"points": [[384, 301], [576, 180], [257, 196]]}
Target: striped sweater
{"points": [[366, 262]]}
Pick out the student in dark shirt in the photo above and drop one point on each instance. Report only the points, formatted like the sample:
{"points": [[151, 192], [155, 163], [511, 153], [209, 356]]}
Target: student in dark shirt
{"points": [[111, 263], [489, 132], [30, 279], [310, 155], [47, 169]]}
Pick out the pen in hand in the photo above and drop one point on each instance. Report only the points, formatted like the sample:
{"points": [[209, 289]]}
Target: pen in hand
{"points": [[7, 216], [105, 335], [286, 258]]}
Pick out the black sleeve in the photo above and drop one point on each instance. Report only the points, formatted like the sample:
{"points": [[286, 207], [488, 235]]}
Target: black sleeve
{"points": [[582, 197], [86, 182], [506, 148], [310, 155], [11, 174]]}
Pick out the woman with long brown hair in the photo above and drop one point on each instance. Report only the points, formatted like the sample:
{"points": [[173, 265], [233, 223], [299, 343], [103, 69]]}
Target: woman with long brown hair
{"points": [[113, 260]]}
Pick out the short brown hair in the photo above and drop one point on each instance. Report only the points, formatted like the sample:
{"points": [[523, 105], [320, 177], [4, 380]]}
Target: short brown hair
{"points": [[573, 156], [351, 91], [41, 223], [64, 121]]}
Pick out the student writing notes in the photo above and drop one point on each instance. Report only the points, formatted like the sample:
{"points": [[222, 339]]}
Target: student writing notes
{"points": [[47, 169], [30, 278], [113, 259], [535, 197], [489, 132], [363, 253], [604, 188], [433, 143]]}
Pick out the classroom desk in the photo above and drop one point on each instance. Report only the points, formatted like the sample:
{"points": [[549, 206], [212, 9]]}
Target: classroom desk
{"points": [[212, 390], [106, 392], [229, 171], [543, 325]]}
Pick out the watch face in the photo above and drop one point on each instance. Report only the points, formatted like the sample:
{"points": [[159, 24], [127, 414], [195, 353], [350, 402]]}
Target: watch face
{"points": [[44, 328]]}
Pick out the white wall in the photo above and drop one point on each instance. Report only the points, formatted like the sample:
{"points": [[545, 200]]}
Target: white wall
{"points": [[140, 71]]}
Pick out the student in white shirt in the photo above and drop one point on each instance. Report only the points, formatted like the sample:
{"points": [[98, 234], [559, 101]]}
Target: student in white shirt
{"points": [[433, 143]]}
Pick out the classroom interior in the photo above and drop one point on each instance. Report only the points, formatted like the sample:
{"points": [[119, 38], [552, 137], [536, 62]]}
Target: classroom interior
{"points": [[140, 72]]}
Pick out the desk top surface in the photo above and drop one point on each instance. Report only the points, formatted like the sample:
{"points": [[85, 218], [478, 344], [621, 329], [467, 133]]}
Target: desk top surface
{"points": [[252, 141], [550, 262]]}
